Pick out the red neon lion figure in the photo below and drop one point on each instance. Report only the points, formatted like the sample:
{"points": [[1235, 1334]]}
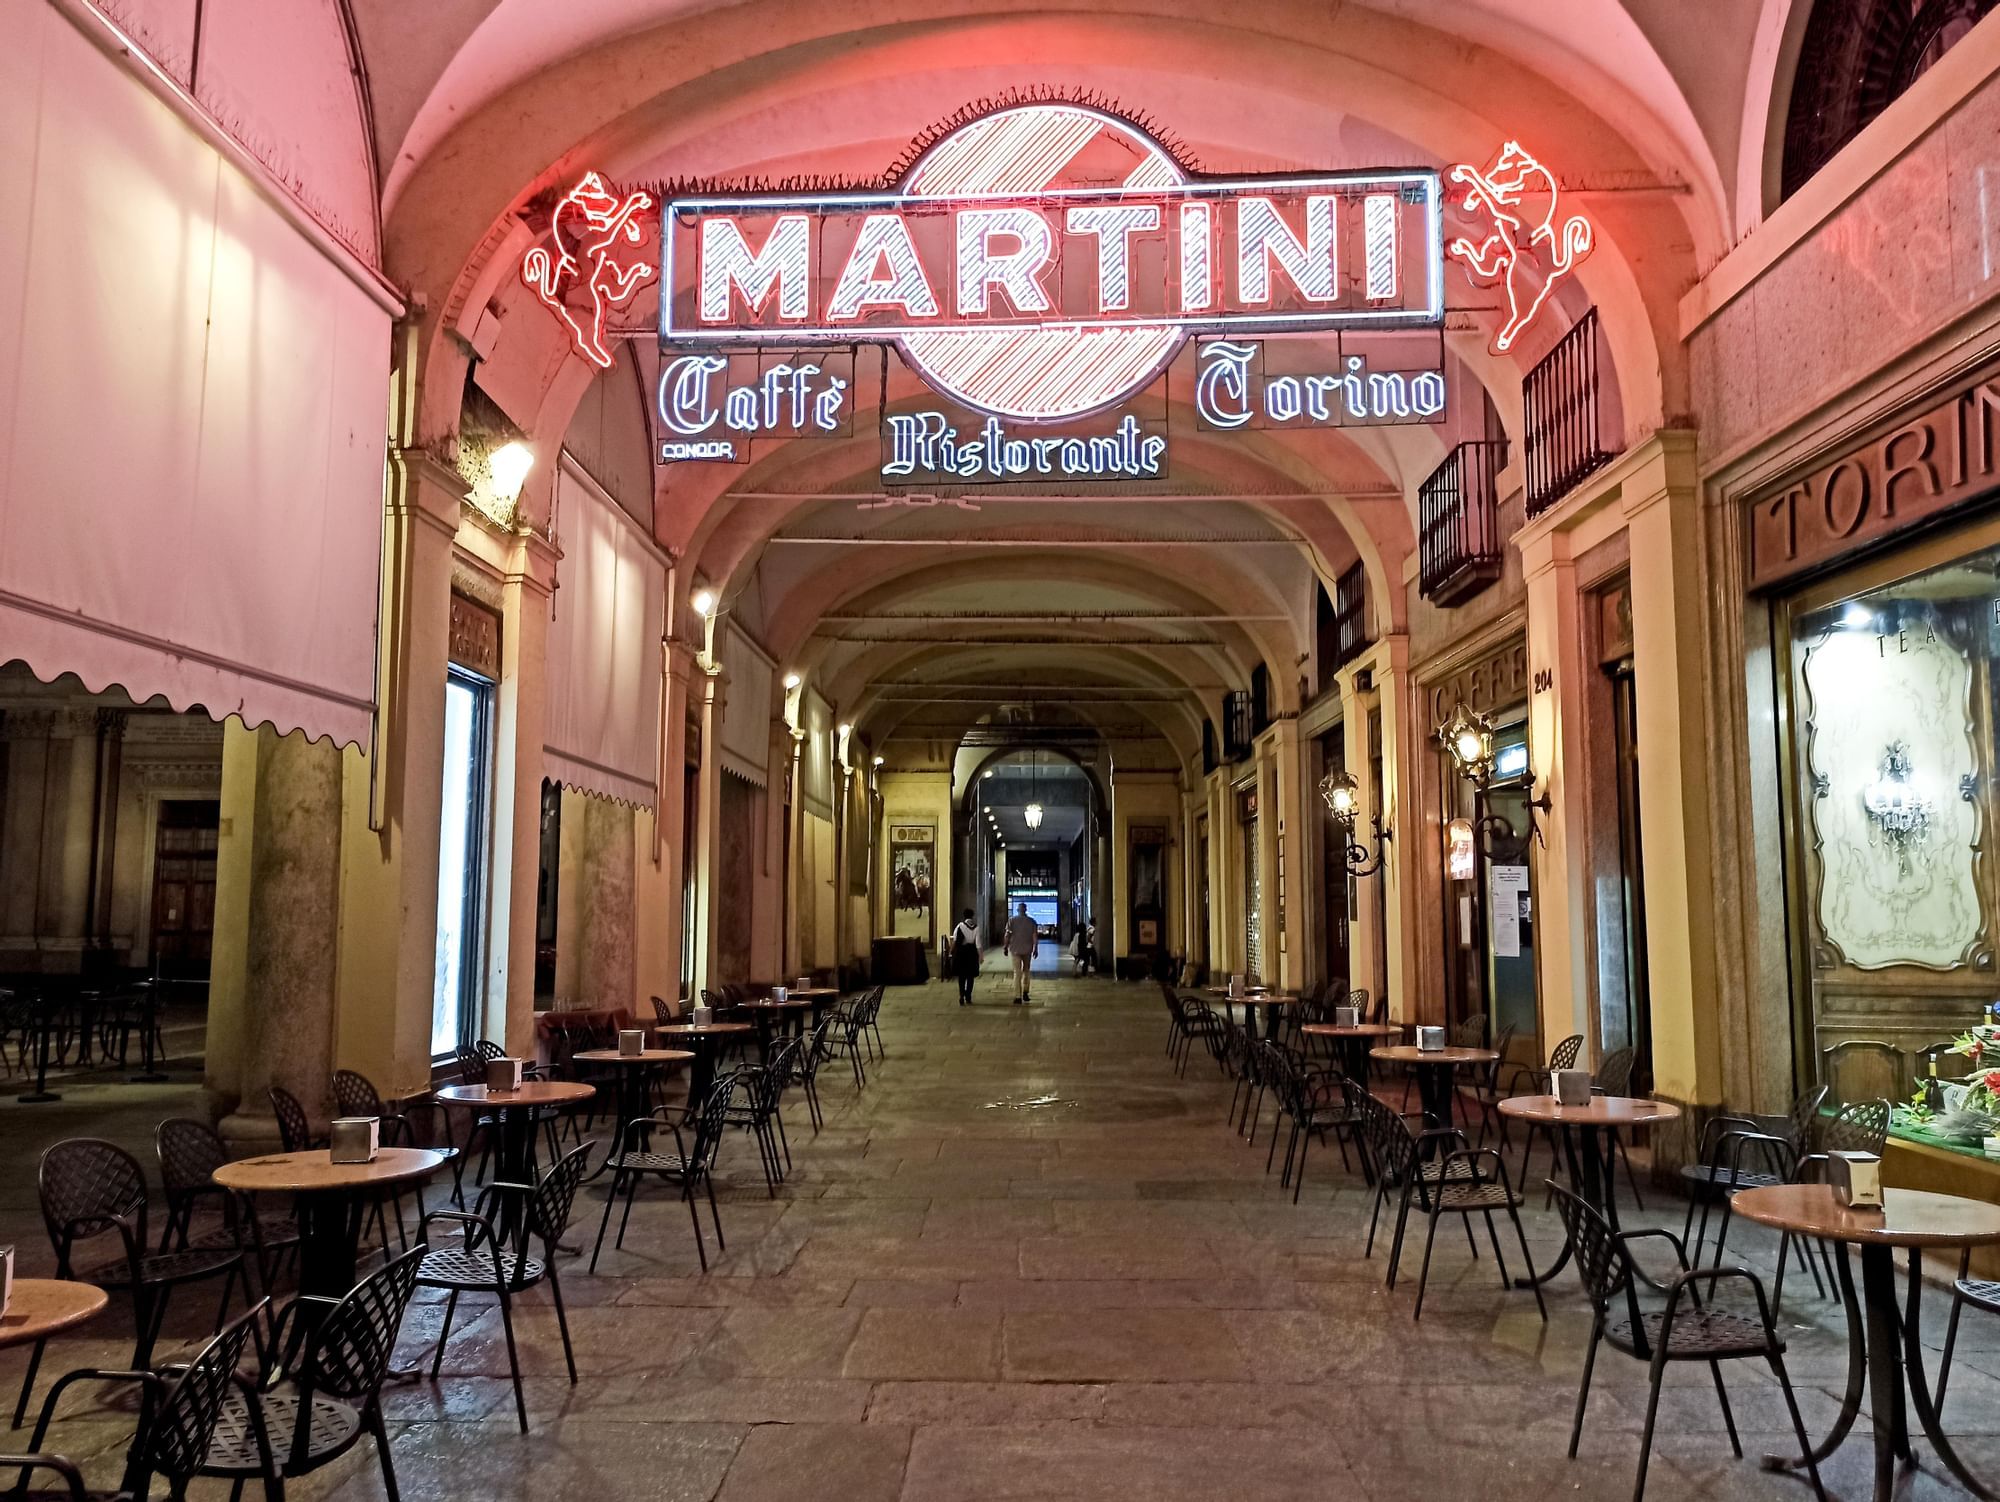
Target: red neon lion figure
{"points": [[1502, 194], [589, 225]]}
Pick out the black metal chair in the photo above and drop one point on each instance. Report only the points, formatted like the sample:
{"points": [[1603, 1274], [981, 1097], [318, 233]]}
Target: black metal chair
{"points": [[1464, 1181], [689, 1165], [1539, 1079], [1737, 1152], [1315, 1102], [812, 1052], [323, 1388], [179, 1410], [1967, 1292], [844, 1040], [190, 1151], [354, 1094], [90, 1188], [1611, 1278], [1860, 1128], [481, 1263], [759, 1093]]}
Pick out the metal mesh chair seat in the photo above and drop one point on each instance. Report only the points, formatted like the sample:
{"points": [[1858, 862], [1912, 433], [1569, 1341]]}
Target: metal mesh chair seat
{"points": [[163, 1267], [1719, 1176], [1467, 1194], [1454, 1170], [1978, 1291], [650, 1162], [473, 1269], [233, 1448], [1698, 1335], [275, 1231]]}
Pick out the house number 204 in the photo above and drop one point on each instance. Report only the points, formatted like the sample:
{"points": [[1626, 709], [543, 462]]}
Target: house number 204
{"points": [[1545, 679]]}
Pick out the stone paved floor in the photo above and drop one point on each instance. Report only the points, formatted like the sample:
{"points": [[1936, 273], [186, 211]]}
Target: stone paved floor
{"points": [[1028, 1262]]}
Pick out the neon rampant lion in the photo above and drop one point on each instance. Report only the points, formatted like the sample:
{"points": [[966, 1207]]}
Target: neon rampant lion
{"points": [[589, 225], [1507, 194]]}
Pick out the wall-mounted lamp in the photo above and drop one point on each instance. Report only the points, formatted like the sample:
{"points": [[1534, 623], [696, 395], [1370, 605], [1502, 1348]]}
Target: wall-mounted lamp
{"points": [[1343, 801], [704, 603], [1468, 738], [880, 759], [794, 690], [507, 469]]}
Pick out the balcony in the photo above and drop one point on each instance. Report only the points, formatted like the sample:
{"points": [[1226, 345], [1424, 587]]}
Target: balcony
{"points": [[1237, 730], [1459, 547], [1563, 418]]}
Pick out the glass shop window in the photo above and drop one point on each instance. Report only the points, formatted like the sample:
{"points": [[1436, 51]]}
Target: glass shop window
{"points": [[462, 860], [1890, 763]]}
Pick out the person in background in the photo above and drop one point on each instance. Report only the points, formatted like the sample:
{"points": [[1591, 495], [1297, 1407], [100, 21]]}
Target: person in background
{"points": [[1077, 948], [1022, 941], [964, 941]]}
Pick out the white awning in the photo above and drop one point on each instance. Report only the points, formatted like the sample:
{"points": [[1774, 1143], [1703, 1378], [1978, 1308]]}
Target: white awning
{"points": [[192, 419], [748, 676], [603, 733]]}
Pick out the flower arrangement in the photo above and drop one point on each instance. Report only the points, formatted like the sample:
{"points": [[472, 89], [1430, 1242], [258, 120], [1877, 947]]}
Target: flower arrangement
{"points": [[1967, 1109]]}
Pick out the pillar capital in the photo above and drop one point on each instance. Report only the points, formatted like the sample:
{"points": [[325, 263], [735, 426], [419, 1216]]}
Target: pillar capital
{"points": [[425, 488], [531, 562]]}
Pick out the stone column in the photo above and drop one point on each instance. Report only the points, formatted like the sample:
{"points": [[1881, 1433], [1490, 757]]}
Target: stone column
{"points": [[1285, 939], [1404, 736], [1362, 894], [277, 928], [708, 831], [768, 910], [526, 588], [1558, 753], [392, 801]]}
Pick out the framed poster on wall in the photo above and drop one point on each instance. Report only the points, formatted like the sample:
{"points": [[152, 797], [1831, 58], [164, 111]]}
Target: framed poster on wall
{"points": [[912, 878]]}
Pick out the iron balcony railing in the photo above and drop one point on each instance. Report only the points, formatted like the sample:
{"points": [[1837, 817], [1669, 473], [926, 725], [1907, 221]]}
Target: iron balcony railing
{"points": [[1350, 615], [1236, 732], [1459, 547], [1563, 438]]}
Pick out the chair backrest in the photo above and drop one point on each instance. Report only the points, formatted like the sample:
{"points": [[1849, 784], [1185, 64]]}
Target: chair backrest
{"points": [[88, 1187], [1564, 1055], [1804, 1117], [351, 1349], [1862, 1127], [190, 1152], [1502, 1040], [174, 1442], [294, 1129], [1387, 1135], [662, 1011], [355, 1095], [1614, 1071], [1864, 1069], [548, 1211], [712, 1121], [714, 999], [1471, 1033], [1601, 1261]]}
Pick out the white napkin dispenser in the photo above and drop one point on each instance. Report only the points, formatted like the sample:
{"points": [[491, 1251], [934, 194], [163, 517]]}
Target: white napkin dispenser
{"points": [[803, 983], [1572, 1087], [781, 994], [1430, 1040], [1347, 1016], [631, 1042], [702, 1016], [503, 1074], [1856, 1179], [1235, 986], [354, 1139]]}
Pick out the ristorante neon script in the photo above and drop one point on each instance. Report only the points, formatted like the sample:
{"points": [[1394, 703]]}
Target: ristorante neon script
{"points": [[1333, 250]]}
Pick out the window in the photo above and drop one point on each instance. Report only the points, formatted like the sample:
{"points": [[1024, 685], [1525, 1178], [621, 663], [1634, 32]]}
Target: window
{"points": [[462, 854], [1857, 58]]}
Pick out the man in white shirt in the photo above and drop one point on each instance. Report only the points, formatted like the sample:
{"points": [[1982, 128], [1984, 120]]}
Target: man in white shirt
{"points": [[1021, 941]]}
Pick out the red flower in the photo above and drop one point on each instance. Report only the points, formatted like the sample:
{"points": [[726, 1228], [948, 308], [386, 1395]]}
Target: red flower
{"points": [[1993, 1080]]}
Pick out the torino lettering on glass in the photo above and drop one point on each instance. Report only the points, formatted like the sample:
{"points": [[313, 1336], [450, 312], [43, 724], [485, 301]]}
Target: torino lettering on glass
{"points": [[1234, 390]]}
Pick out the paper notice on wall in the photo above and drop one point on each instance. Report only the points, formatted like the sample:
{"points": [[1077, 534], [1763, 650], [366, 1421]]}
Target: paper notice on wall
{"points": [[1507, 888]]}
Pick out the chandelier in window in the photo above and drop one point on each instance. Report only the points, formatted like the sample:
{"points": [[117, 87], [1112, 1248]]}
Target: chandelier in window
{"points": [[1033, 814]]}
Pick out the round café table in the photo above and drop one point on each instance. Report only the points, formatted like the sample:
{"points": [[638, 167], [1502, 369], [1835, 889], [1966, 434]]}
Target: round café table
{"points": [[1353, 1042], [1251, 1000], [1435, 1068], [1588, 1134], [515, 1115], [707, 1039], [42, 1307], [1879, 1338], [331, 1199], [635, 1072], [770, 1015], [821, 997]]}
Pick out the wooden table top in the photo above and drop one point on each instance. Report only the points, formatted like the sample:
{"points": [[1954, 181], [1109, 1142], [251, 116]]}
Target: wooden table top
{"points": [[43, 1306], [815, 992], [772, 1002], [1603, 1110], [1409, 1053], [1908, 1217], [644, 1056], [703, 1030], [1359, 1030], [530, 1093], [313, 1171]]}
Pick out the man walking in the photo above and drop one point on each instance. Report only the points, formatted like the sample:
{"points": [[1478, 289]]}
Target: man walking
{"points": [[1021, 941]]}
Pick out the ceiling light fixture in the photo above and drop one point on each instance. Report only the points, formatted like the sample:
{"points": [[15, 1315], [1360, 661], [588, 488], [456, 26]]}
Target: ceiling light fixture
{"points": [[1033, 814]]}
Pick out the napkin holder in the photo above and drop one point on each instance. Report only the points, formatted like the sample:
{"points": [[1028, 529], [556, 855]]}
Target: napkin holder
{"points": [[803, 983], [354, 1139], [781, 994], [6, 1278], [1430, 1040], [1856, 1179], [1235, 987], [503, 1074], [1571, 1087], [1347, 1016], [702, 1016], [631, 1042]]}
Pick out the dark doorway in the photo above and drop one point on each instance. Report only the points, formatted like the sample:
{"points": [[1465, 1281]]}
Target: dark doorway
{"points": [[184, 888]]}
